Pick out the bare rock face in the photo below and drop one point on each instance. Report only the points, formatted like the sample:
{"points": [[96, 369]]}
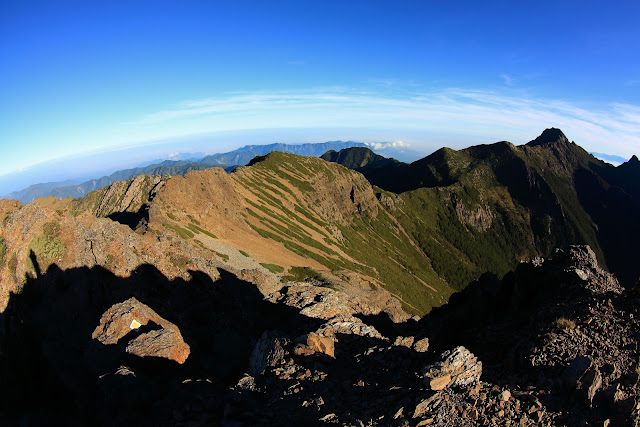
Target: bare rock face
{"points": [[478, 217], [130, 315], [459, 367], [583, 262], [165, 343], [337, 308], [315, 343]]}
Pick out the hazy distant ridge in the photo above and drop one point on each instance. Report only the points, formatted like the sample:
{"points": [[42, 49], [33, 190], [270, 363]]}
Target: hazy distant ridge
{"points": [[239, 157], [243, 155]]}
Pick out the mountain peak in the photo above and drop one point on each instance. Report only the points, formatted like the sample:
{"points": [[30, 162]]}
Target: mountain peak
{"points": [[634, 159], [549, 136], [358, 158]]}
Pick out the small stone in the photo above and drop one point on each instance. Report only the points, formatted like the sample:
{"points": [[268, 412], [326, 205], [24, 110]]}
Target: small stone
{"points": [[302, 350], [247, 383], [398, 414], [421, 346], [501, 413], [328, 417], [403, 342], [426, 422], [505, 395], [421, 408]]}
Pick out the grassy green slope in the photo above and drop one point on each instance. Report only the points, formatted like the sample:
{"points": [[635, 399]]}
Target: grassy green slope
{"points": [[330, 214]]}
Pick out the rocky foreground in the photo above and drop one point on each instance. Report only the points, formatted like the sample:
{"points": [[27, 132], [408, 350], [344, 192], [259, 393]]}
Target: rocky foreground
{"points": [[553, 343]]}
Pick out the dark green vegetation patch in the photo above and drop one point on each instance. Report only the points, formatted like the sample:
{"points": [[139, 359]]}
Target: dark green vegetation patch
{"points": [[274, 268], [185, 234], [302, 274], [48, 246]]}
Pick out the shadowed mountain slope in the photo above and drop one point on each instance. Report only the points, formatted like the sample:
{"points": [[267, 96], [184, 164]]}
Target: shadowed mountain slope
{"points": [[243, 155], [490, 206], [358, 158]]}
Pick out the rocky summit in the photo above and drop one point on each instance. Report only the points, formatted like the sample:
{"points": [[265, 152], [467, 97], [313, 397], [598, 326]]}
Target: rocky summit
{"points": [[473, 287]]}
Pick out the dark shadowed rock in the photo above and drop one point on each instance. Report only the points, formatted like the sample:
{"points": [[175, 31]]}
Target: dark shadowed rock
{"points": [[590, 383], [268, 351], [576, 370]]}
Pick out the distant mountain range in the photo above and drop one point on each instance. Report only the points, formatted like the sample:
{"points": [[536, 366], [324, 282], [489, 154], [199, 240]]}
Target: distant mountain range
{"points": [[243, 155], [228, 161]]}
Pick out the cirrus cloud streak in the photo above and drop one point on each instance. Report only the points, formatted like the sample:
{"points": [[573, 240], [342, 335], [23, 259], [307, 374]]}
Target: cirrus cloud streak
{"points": [[474, 114]]}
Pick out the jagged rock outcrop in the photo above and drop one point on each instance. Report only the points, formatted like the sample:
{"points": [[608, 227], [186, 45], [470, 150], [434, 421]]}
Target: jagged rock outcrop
{"points": [[459, 368], [313, 343], [527, 353], [268, 351], [127, 316]]}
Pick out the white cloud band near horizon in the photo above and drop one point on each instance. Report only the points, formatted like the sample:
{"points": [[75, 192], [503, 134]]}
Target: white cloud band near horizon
{"points": [[478, 114]]}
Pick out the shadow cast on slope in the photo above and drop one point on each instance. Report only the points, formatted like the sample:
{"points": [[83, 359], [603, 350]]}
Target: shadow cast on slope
{"points": [[615, 213], [51, 368], [133, 220]]}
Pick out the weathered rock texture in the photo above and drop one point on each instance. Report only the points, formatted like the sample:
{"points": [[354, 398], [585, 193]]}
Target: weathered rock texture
{"points": [[117, 322], [543, 346], [459, 367]]}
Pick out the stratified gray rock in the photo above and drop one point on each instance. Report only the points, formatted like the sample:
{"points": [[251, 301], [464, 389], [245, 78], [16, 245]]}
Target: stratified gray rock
{"points": [[459, 367], [268, 351], [584, 264]]}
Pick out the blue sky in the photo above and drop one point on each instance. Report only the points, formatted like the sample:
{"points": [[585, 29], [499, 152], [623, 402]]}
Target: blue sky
{"points": [[111, 77]]}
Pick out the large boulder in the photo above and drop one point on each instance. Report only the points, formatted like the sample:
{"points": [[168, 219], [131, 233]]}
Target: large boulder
{"points": [[131, 315]]}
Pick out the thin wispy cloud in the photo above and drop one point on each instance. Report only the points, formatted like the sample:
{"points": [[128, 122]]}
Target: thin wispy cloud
{"points": [[507, 79], [477, 113]]}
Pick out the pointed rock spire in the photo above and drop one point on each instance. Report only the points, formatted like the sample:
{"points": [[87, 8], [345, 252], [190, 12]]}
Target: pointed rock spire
{"points": [[549, 136]]}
